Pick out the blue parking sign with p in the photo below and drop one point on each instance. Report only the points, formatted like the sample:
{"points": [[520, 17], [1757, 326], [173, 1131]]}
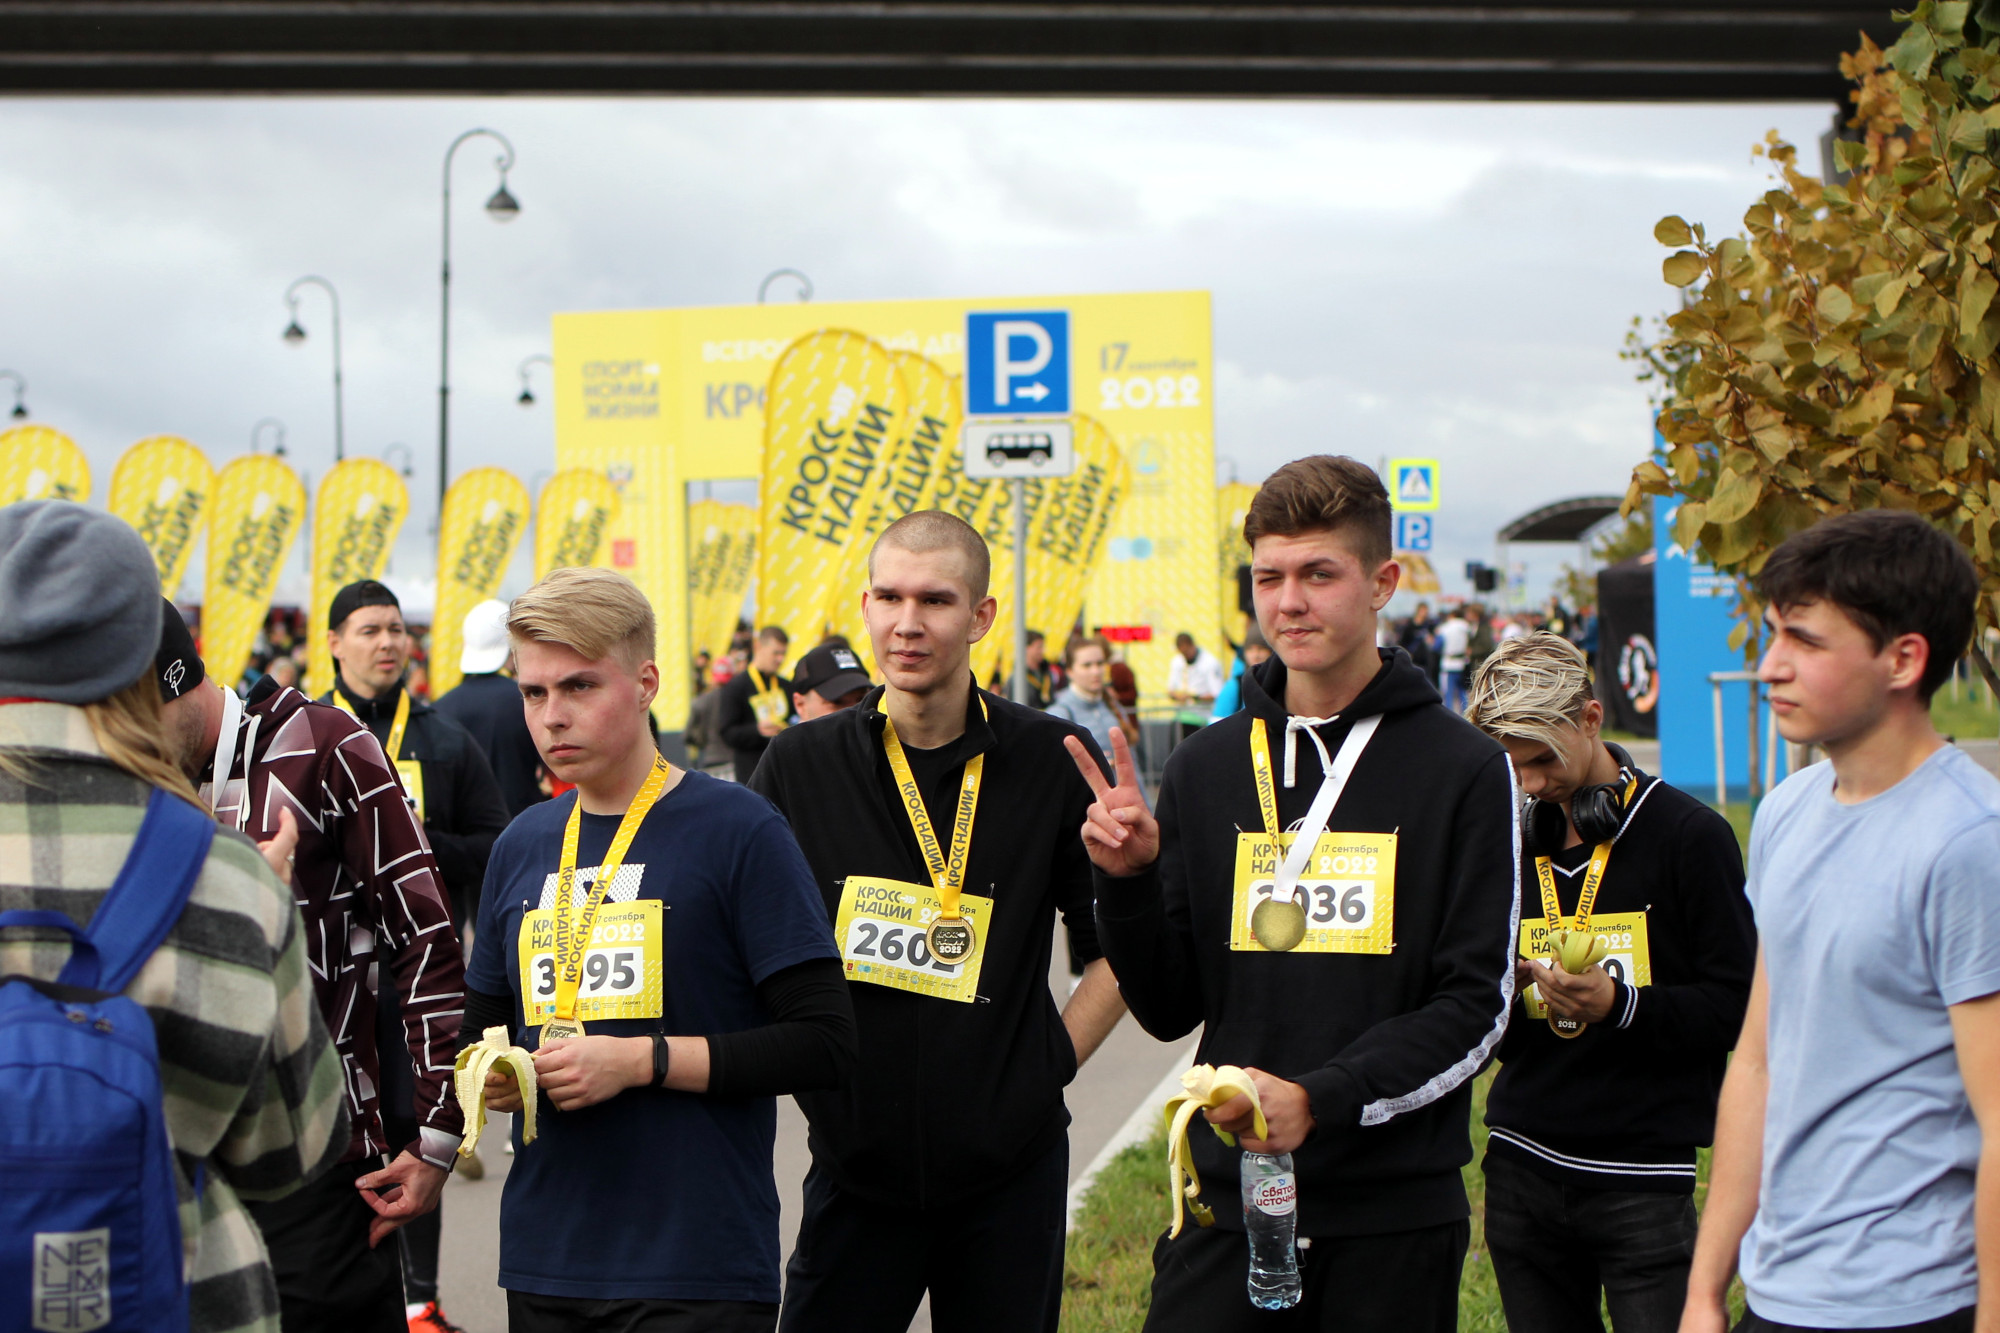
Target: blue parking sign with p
{"points": [[1017, 363], [1413, 532]]}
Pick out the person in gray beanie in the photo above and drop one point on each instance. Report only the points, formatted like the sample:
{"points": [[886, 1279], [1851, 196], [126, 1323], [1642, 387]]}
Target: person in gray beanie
{"points": [[79, 603], [251, 1083]]}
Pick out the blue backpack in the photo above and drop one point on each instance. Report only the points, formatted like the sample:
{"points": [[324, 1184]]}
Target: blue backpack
{"points": [[90, 1234]]}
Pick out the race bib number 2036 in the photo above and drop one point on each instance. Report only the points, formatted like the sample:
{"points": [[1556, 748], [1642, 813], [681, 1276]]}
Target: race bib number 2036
{"points": [[1347, 887]]}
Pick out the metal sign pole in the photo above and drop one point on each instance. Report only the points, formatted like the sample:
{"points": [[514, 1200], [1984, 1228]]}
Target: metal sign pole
{"points": [[1019, 488]]}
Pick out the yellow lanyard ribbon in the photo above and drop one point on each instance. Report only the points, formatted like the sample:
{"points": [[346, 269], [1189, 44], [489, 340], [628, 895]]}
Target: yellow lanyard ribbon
{"points": [[573, 927], [757, 679], [947, 869], [394, 745], [1592, 879], [1267, 786]]}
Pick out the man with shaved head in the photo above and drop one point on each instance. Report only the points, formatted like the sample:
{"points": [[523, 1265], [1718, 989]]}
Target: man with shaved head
{"points": [[938, 820]]}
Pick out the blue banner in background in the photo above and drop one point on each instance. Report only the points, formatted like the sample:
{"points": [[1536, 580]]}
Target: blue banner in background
{"points": [[1694, 609]]}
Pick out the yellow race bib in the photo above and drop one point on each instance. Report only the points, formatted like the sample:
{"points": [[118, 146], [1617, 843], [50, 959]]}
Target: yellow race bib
{"points": [[412, 774], [623, 963], [1629, 961], [770, 706], [1349, 887], [880, 928]]}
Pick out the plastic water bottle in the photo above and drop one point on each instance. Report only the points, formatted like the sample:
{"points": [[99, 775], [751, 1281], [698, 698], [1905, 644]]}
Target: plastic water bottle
{"points": [[1271, 1217]]}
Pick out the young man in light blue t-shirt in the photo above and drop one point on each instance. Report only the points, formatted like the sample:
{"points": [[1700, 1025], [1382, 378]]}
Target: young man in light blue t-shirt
{"points": [[1850, 1171]]}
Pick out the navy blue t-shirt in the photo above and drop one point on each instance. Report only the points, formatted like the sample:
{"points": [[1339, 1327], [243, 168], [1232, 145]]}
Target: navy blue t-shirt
{"points": [[657, 1194]]}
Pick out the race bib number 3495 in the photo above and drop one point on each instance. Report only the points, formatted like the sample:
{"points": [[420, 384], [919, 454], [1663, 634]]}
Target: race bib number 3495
{"points": [[1349, 888], [622, 965], [880, 928]]}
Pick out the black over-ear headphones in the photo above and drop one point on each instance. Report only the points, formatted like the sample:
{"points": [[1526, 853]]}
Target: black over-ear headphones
{"points": [[1597, 810]]}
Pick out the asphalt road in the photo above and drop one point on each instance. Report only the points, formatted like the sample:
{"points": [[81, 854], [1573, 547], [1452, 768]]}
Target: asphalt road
{"points": [[1124, 1070]]}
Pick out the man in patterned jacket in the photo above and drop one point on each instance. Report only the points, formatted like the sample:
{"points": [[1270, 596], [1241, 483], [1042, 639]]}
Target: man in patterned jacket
{"points": [[374, 911]]}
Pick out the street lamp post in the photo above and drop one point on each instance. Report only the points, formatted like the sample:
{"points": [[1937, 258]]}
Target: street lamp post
{"points": [[502, 207], [257, 431], [295, 334], [527, 398], [805, 283], [20, 412]]}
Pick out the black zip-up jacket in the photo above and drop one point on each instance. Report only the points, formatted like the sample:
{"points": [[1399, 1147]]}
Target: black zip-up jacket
{"points": [[1625, 1105], [488, 705], [463, 809], [736, 720], [1386, 1046], [948, 1098]]}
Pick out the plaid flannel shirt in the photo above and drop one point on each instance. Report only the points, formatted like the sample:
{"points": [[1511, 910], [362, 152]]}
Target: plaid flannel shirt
{"points": [[252, 1084]]}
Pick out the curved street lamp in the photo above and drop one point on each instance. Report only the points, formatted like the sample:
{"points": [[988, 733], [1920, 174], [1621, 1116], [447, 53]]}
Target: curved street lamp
{"points": [[20, 412], [527, 398], [501, 207], [295, 334], [805, 283], [257, 430]]}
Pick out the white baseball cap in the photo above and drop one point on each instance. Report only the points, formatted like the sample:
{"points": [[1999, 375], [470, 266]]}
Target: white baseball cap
{"points": [[486, 645]]}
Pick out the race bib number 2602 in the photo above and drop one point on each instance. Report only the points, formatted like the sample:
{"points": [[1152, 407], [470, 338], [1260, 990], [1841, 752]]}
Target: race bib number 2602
{"points": [[1348, 887], [880, 929]]}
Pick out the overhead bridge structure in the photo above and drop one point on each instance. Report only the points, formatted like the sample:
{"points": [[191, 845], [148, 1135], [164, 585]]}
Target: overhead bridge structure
{"points": [[1558, 50]]}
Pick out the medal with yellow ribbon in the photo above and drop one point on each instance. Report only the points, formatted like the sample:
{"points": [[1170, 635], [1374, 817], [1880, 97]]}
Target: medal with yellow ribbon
{"points": [[409, 770], [950, 937], [572, 924], [1278, 926], [1575, 949]]}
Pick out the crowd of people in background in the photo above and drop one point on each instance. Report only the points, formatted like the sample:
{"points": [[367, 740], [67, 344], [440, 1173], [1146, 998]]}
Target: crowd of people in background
{"points": [[319, 905]]}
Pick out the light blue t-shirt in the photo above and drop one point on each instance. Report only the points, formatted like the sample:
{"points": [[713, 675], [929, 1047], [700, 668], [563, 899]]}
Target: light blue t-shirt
{"points": [[1874, 918]]}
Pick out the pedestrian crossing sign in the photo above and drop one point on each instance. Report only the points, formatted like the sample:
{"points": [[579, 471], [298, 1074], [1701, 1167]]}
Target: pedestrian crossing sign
{"points": [[1413, 484]]}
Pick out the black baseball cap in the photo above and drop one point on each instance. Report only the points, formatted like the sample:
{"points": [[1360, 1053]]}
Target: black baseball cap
{"points": [[830, 671], [365, 592]]}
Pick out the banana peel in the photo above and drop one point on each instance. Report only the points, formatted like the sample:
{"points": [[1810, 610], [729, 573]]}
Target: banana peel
{"points": [[1204, 1088], [1578, 950], [469, 1078]]}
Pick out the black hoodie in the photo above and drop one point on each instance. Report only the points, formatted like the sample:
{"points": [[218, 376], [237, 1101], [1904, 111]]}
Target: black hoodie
{"points": [[1386, 1045]]}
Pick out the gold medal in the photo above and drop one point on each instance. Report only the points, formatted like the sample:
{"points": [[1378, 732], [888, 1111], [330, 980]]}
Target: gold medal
{"points": [[950, 939], [1593, 879], [561, 1029], [1278, 926]]}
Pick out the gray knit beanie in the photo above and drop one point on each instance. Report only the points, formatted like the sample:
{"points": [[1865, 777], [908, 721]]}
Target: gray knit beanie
{"points": [[79, 603]]}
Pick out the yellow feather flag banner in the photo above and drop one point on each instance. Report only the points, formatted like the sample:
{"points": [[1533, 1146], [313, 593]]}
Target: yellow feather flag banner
{"points": [[576, 508], [1232, 505], [485, 513], [253, 521], [836, 400], [162, 487], [905, 483], [1067, 533], [983, 503], [722, 557], [359, 511], [37, 463]]}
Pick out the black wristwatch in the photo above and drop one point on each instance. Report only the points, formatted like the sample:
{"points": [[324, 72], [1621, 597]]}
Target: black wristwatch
{"points": [[659, 1060]]}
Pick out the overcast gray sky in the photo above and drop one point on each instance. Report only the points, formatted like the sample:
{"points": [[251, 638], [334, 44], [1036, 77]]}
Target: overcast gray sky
{"points": [[1447, 279]]}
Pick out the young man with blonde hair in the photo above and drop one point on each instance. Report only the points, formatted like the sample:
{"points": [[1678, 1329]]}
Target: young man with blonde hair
{"points": [[1362, 983], [1609, 1076], [937, 819], [656, 940]]}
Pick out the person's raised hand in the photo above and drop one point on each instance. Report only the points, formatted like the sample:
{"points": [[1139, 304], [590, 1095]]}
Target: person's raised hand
{"points": [[280, 846], [1119, 831]]}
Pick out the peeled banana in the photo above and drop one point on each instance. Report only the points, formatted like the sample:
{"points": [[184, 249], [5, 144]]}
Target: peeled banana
{"points": [[1578, 950], [1204, 1087], [470, 1079]]}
